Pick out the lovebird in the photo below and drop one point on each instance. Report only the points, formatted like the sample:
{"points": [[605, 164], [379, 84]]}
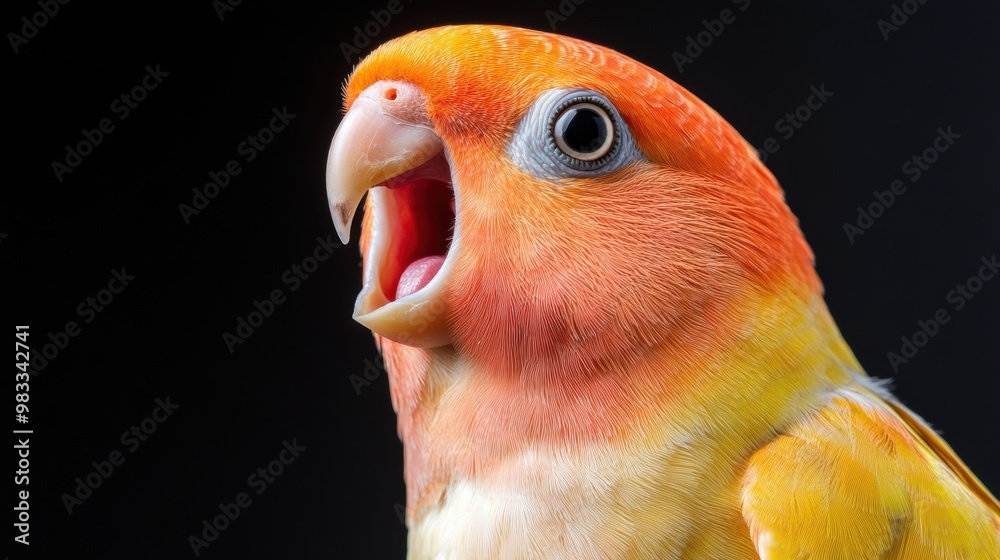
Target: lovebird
{"points": [[603, 331]]}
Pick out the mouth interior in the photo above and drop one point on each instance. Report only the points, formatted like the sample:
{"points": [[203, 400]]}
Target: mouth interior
{"points": [[421, 220]]}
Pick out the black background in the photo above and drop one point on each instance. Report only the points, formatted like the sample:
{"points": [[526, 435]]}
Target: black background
{"points": [[162, 336]]}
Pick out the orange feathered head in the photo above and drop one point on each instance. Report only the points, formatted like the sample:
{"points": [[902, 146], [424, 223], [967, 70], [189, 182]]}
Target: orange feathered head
{"points": [[541, 203]]}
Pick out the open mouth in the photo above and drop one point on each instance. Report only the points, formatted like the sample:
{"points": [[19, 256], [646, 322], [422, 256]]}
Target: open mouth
{"points": [[412, 231], [417, 209], [386, 146]]}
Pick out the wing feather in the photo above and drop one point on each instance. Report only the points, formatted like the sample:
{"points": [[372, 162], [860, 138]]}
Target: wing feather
{"points": [[866, 479]]}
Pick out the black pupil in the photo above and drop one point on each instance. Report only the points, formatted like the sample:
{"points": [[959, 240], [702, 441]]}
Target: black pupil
{"points": [[582, 129]]}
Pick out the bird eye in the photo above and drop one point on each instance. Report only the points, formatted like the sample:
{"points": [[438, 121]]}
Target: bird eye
{"points": [[584, 132], [572, 133]]}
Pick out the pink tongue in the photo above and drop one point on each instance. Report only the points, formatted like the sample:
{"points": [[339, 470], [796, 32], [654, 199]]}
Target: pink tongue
{"points": [[418, 274]]}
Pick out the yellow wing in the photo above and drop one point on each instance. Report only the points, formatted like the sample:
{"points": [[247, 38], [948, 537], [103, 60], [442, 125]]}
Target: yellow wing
{"points": [[865, 478]]}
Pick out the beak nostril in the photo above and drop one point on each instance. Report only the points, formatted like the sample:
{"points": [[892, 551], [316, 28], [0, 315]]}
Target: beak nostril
{"points": [[390, 94]]}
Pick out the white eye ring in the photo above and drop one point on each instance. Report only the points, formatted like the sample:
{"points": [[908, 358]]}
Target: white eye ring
{"points": [[583, 149]]}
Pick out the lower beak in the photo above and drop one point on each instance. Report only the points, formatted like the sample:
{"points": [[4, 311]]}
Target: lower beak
{"points": [[386, 138]]}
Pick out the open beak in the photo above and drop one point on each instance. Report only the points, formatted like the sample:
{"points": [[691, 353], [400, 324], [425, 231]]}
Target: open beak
{"points": [[386, 144]]}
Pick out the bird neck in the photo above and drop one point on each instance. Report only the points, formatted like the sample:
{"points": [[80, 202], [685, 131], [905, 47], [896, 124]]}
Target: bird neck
{"points": [[745, 368]]}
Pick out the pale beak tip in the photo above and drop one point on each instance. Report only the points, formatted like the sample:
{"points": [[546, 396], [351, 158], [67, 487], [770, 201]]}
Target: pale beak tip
{"points": [[344, 235]]}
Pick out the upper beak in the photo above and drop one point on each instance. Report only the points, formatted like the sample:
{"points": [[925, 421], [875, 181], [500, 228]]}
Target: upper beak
{"points": [[372, 145], [387, 133]]}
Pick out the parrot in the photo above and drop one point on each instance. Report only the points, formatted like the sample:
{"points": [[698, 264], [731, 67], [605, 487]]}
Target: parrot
{"points": [[604, 334]]}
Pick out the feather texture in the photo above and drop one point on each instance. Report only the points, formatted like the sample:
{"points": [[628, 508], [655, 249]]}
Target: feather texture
{"points": [[643, 366]]}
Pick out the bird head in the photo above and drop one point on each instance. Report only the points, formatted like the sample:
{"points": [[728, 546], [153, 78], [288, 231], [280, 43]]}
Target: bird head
{"points": [[536, 202]]}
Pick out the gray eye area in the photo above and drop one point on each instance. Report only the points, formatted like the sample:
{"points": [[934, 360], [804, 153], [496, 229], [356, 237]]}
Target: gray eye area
{"points": [[568, 133], [584, 131]]}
